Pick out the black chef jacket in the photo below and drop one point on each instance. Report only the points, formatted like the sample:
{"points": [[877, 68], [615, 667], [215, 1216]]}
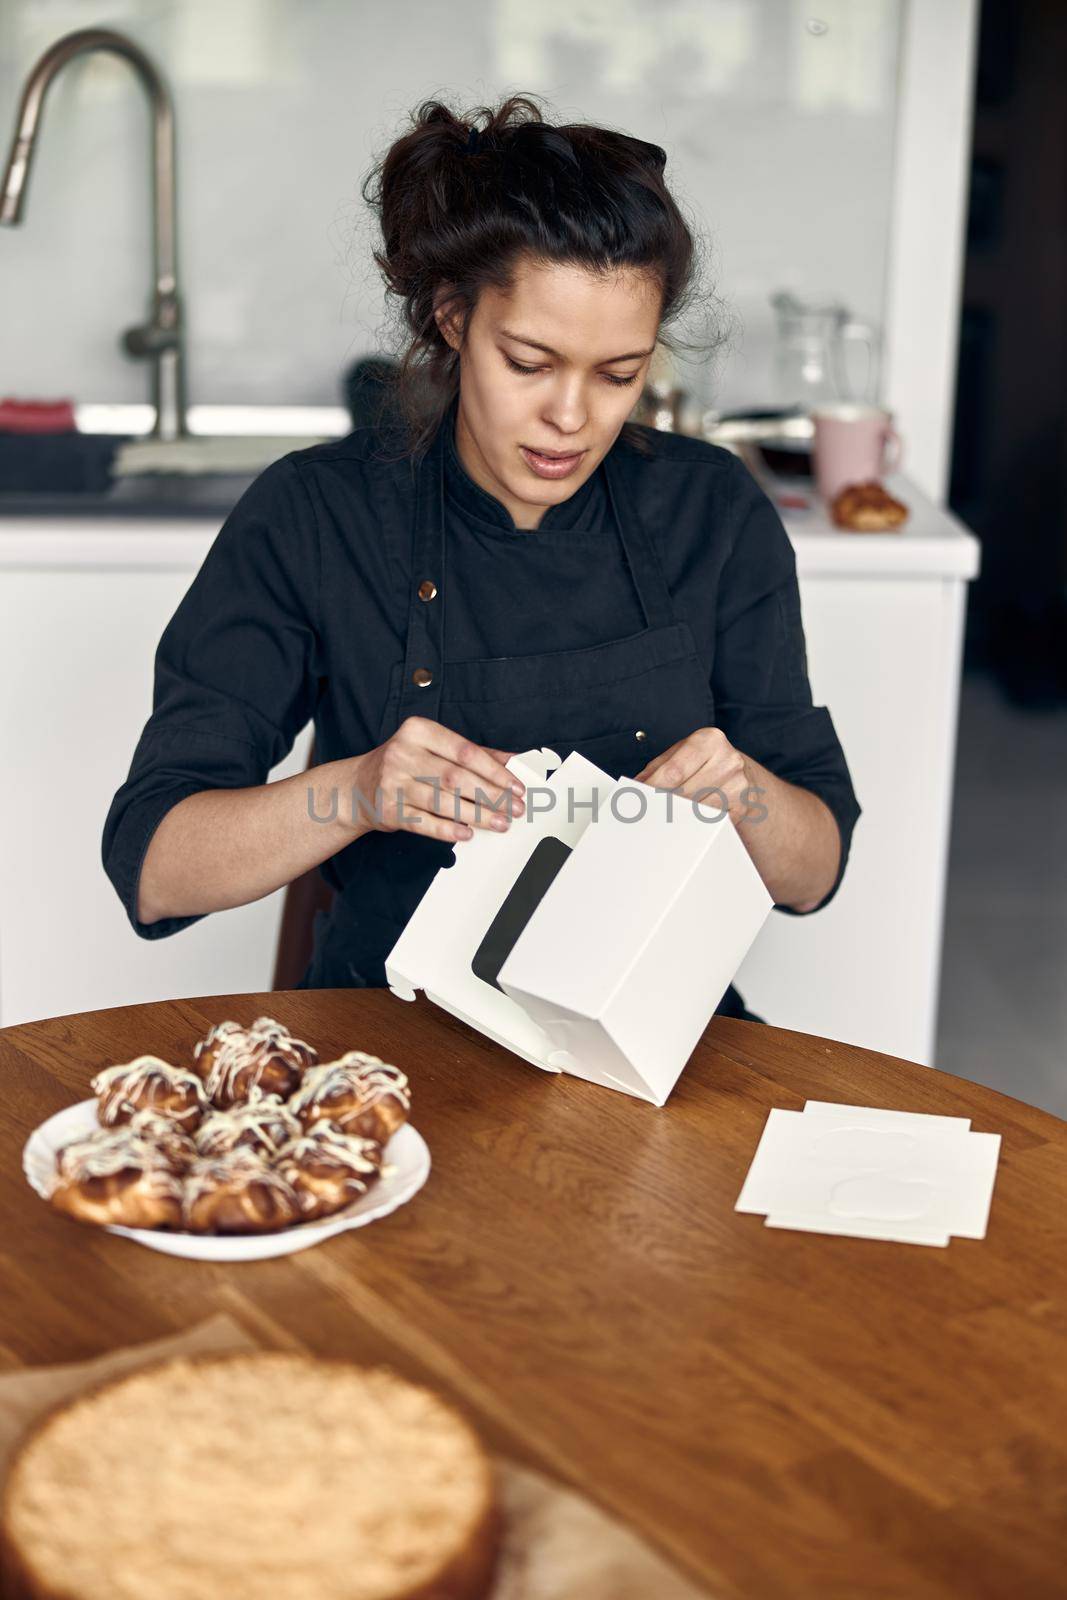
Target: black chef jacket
{"points": [[300, 611]]}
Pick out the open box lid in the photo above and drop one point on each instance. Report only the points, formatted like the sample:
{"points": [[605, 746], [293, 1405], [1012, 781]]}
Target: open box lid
{"points": [[596, 935]]}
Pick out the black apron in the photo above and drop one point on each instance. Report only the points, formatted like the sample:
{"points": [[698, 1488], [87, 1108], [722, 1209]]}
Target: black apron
{"points": [[620, 704]]}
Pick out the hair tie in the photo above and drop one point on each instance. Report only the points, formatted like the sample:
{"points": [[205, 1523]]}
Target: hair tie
{"points": [[474, 142]]}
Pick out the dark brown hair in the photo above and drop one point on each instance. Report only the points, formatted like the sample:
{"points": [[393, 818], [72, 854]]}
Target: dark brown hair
{"points": [[461, 198]]}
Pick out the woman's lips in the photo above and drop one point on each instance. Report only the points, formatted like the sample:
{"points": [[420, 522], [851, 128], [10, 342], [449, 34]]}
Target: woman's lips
{"points": [[551, 466]]}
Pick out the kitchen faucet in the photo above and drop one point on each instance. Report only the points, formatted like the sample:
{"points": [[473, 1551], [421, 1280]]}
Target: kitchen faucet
{"points": [[159, 339]]}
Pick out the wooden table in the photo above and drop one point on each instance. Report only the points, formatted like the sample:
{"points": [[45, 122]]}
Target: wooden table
{"points": [[783, 1414]]}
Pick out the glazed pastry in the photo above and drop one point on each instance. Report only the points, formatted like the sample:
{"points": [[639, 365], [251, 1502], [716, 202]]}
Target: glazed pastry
{"points": [[149, 1083], [328, 1169], [237, 1193], [116, 1176], [364, 1095], [262, 1124], [233, 1061], [175, 1148]]}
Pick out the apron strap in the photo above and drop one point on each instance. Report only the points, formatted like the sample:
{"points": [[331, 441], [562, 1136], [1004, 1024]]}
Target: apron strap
{"points": [[645, 566]]}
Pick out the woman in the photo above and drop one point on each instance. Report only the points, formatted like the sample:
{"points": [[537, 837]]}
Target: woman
{"points": [[502, 563]]}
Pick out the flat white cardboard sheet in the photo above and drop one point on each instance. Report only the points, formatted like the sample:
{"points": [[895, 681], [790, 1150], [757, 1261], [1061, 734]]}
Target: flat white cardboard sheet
{"points": [[872, 1173]]}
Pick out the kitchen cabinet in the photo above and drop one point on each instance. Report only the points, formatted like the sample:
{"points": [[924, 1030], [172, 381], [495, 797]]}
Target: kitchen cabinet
{"points": [[883, 621], [83, 601], [82, 605]]}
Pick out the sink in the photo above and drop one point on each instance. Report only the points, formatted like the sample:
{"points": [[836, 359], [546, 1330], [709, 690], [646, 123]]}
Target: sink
{"points": [[200, 454]]}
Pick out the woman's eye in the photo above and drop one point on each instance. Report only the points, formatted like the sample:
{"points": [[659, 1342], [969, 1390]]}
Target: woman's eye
{"points": [[516, 366], [609, 377]]}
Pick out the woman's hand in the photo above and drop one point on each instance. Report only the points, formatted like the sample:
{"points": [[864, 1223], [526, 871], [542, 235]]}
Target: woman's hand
{"points": [[705, 760], [429, 780]]}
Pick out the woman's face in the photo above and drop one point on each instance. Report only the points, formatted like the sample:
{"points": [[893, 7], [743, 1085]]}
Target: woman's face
{"points": [[554, 365]]}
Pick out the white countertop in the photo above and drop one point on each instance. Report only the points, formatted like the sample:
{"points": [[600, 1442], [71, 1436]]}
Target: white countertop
{"points": [[931, 544]]}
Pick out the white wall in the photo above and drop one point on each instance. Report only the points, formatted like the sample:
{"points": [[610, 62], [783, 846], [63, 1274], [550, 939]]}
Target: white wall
{"points": [[780, 140], [928, 223]]}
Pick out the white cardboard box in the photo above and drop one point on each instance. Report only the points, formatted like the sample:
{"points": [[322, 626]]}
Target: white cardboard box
{"points": [[611, 972]]}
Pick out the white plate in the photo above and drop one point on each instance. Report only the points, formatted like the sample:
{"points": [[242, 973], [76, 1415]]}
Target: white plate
{"points": [[407, 1153]]}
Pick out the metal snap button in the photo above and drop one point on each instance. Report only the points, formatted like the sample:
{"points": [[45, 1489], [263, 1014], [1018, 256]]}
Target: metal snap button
{"points": [[641, 734], [427, 589], [422, 677]]}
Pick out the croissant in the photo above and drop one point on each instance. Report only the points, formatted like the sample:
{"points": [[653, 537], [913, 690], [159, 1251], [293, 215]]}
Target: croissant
{"points": [[867, 508]]}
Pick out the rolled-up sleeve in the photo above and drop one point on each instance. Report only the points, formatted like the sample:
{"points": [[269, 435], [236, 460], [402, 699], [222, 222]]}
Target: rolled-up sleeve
{"points": [[760, 675], [236, 675]]}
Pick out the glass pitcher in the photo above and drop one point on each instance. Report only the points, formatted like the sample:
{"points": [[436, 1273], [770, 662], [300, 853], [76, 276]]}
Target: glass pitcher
{"points": [[812, 353]]}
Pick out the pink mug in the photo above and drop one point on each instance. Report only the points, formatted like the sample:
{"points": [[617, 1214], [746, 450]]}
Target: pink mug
{"points": [[853, 444]]}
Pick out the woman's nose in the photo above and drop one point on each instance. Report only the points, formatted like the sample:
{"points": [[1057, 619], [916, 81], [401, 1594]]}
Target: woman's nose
{"points": [[567, 410]]}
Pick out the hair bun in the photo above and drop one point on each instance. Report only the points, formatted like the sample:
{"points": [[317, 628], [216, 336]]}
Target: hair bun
{"points": [[556, 140], [653, 155]]}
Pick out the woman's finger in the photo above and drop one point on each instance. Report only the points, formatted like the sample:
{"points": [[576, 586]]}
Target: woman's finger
{"points": [[474, 760], [503, 756], [649, 770], [705, 755], [428, 826], [675, 767]]}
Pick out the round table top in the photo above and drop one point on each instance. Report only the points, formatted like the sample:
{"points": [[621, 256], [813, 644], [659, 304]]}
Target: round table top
{"points": [[782, 1414]]}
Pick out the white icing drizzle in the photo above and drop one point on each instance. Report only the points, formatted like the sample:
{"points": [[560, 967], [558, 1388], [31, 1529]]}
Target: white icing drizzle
{"points": [[367, 1077], [113, 1150], [235, 1049], [263, 1114], [130, 1079], [162, 1132], [237, 1168], [326, 1143]]}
